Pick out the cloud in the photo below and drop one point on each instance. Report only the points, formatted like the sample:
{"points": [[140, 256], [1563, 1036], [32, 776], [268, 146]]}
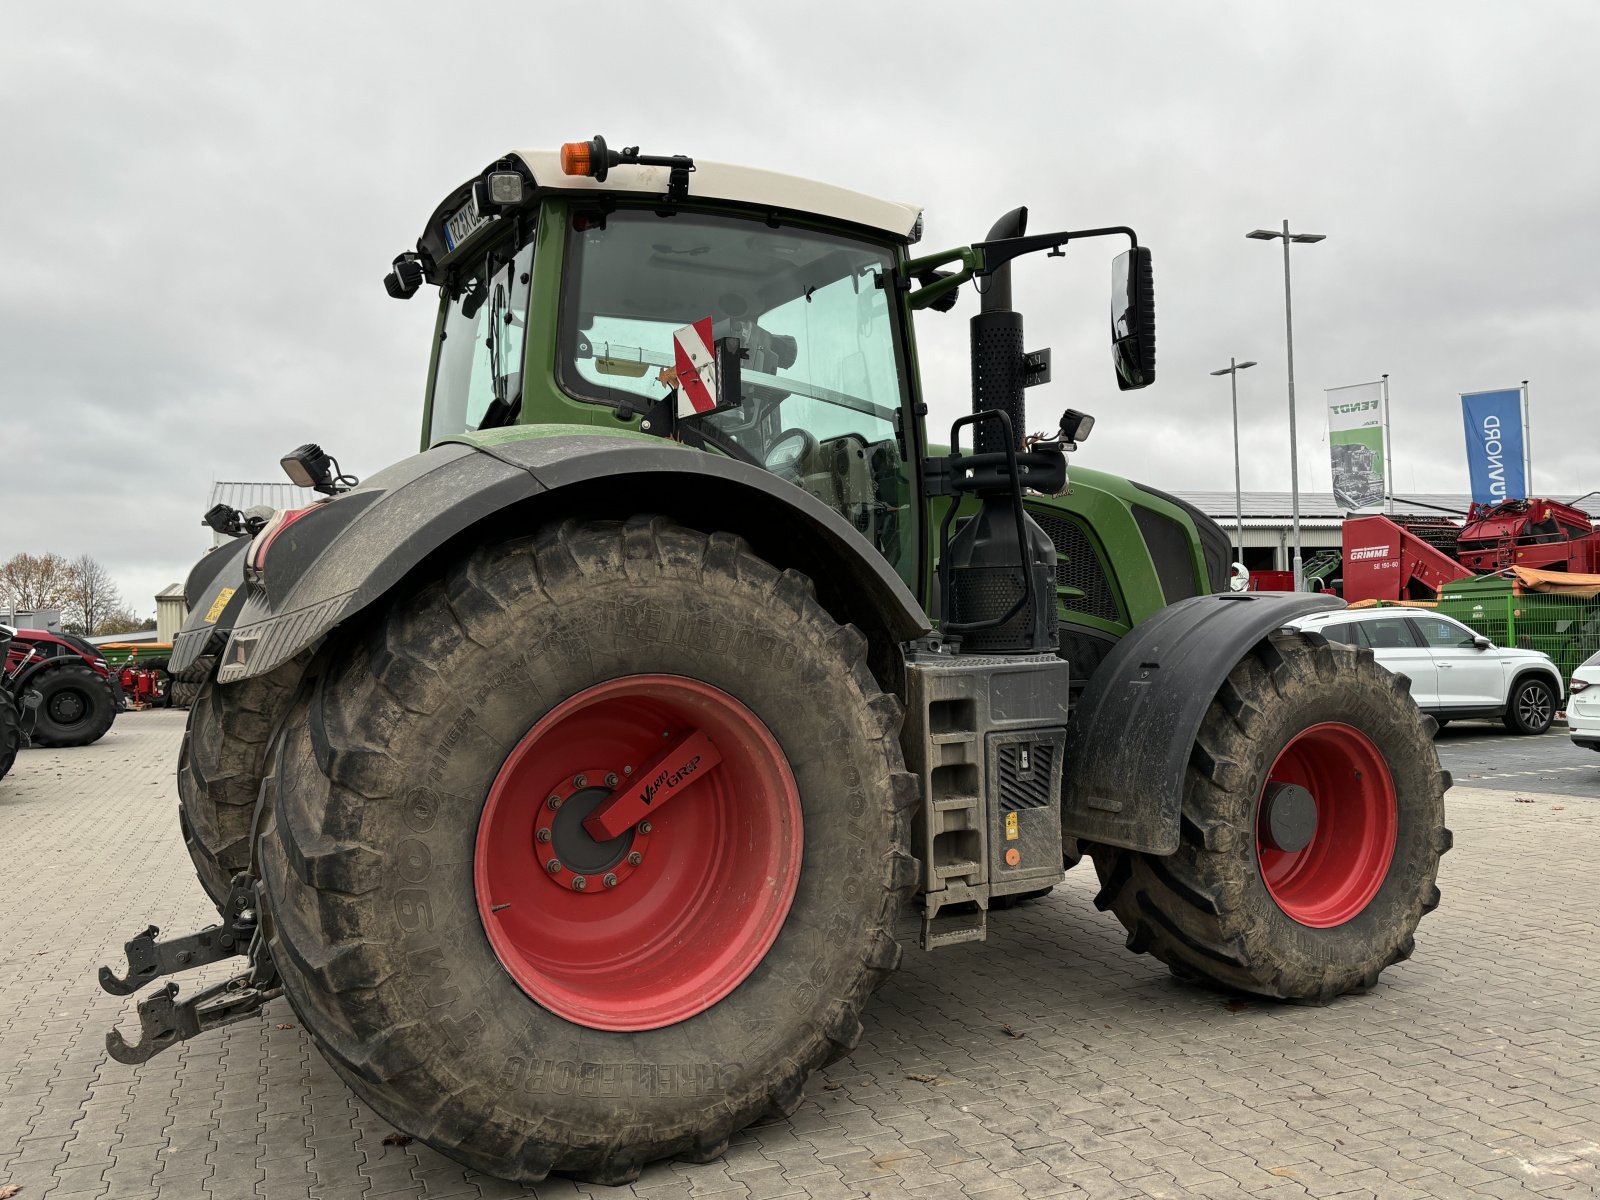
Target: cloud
{"points": [[200, 202]]}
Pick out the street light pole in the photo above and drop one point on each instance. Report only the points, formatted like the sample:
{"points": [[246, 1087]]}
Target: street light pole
{"points": [[1232, 371], [1266, 235]]}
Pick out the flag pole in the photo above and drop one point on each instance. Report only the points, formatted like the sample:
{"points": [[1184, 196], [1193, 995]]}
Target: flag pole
{"points": [[1527, 444], [1388, 449]]}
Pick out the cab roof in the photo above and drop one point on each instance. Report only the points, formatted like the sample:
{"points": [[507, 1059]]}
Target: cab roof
{"points": [[739, 185]]}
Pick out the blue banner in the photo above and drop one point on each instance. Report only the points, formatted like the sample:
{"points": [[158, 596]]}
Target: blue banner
{"points": [[1494, 445]]}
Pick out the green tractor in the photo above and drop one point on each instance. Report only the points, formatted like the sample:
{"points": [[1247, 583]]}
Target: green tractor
{"points": [[570, 777]]}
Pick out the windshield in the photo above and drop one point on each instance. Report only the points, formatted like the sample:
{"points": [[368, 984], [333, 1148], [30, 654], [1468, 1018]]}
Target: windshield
{"points": [[821, 378], [477, 383]]}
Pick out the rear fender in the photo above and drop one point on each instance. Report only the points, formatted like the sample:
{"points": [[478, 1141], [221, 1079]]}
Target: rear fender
{"points": [[1130, 739], [215, 593], [344, 554]]}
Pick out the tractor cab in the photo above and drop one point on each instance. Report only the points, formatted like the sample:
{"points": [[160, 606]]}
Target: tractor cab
{"points": [[562, 306]]}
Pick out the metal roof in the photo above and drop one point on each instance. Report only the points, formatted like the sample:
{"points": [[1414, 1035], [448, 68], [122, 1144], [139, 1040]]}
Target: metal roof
{"points": [[173, 591], [242, 495], [1277, 506]]}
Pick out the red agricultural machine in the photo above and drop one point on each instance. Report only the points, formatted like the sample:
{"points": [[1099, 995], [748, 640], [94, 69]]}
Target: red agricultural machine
{"points": [[1414, 558], [79, 695]]}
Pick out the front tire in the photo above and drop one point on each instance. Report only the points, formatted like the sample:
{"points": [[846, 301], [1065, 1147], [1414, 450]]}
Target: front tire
{"points": [[439, 960], [1531, 707], [1312, 825]]}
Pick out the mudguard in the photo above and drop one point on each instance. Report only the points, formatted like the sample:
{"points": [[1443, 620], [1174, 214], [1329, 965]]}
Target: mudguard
{"points": [[338, 557], [1128, 743], [215, 594]]}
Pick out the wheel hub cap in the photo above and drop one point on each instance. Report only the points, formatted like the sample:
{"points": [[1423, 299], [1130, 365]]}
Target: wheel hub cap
{"points": [[1326, 825], [660, 922]]}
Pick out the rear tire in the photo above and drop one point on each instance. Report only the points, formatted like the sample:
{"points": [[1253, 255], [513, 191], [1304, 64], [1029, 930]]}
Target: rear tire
{"points": [[1531, 707], [220, 766], [381, 845], [76, 706], [1230, 909]]}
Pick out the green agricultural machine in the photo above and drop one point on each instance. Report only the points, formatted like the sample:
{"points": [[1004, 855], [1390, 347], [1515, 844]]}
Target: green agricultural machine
{"points": [[572, 778]]}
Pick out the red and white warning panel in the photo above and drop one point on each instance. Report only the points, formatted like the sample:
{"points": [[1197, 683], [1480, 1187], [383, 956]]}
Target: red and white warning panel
{"points": [[696, 367]]}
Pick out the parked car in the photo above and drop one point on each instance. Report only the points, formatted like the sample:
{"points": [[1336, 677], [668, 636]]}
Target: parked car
{"points": [[1583, 704], [1455, 673]]}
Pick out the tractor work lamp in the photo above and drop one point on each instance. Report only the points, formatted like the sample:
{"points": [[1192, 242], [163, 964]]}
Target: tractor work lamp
{"points": [[406, 277], [1076, 426], [308, 467], [495, 192]]}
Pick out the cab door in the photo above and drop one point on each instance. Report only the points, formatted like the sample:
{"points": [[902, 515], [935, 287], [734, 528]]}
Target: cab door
{"points": [[1400, 649]]}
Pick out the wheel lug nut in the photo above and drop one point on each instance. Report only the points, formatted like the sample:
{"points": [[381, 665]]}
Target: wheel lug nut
{"points": [[553, 866], [635, 858], [579, 883], [553, 803], [645, 826], [610, 880], [544, 835], [611, 780], [580, 781]]}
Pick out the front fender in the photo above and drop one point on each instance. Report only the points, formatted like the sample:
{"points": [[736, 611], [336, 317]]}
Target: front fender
{"points": [[215, 594], [1129, 741], [344, 554]]}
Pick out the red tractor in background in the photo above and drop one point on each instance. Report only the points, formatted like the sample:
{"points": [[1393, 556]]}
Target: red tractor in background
{"points": [[79, 697]]}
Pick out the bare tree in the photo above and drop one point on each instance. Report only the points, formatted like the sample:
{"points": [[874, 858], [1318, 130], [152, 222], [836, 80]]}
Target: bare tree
{"points": [[34, 581], [122, 621], [91, 597]]}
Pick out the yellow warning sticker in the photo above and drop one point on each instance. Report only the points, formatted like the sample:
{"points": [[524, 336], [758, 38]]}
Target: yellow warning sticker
{"points": [[1011, 827], [224, 596]]}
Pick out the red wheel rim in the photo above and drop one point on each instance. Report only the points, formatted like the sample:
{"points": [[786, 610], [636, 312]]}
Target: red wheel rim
{"points": [[692, 904], [1338, 872]]}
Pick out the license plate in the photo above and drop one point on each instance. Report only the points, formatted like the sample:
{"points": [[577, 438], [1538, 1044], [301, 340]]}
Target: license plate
{"points": [[459, 226]]}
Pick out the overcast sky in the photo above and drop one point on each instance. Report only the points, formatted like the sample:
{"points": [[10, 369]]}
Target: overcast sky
{"points": [[200, 201]]}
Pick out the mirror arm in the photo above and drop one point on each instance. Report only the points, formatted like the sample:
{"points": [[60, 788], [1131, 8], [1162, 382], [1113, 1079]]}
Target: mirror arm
{"points": [[922, 297], [997, 254]]}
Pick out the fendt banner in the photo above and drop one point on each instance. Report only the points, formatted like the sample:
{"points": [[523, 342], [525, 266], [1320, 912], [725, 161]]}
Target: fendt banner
{"points": [[1356, 423], [1494, 444]]}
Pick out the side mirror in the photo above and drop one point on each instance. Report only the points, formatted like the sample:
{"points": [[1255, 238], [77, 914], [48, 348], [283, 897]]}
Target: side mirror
{"points": [[1133, 319], [1482, 643]]}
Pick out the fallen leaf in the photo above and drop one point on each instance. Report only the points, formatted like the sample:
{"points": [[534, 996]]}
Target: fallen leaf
{"points": [[1284, 1172], [9, 1190], [832, 1087], [397, 1139], [1236, 1005], [1012, 1033], [284, 1025], [1558, 808], [1524, 800], [924, 1078]]}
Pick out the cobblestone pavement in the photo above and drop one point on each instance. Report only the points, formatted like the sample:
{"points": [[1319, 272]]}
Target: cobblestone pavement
{"points": [[1047, 1062]]}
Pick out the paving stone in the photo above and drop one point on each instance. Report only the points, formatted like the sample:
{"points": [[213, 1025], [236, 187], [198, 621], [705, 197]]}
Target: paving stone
{"points": [[1471, 1070]]}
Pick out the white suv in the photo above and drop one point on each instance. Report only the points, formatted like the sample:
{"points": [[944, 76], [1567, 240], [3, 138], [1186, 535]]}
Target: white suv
{"points": [[1455, 673], [1583, 705]]}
